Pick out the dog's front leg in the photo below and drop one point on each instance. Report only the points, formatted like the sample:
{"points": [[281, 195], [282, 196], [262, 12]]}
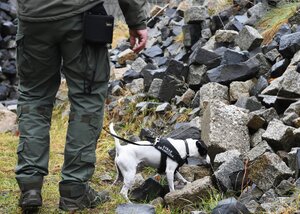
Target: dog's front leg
{"points": [[170, 170], [181, 178]]}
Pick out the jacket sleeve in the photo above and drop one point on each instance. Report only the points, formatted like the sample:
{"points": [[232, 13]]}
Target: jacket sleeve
{"points": [[134, 12]]}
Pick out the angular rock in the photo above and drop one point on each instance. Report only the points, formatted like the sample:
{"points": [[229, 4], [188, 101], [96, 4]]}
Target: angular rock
{"points": [[128, 54], [205, 57], [256, 138], [240, 89], [260, 85], [185, 131], [190, 193], [195, 14], [173, 81], [225, 74], [224, 127], [272, 55], [136, 86], [230, 206], [148, 191], [138, 64], [289, 45], [268, 114], [255, 122], [226, 36], [186, 98], [264, 65], [211, 92], [291, 113], [268, 171], [195, 75], [279, 68], [250, 103], [285, 188], [192, 173], [163, 108], [233, 57], [279, 136], [287, 85], [253, 206], [153, 51], [249, 38], [191, 34], [226, 156], [155, 88], [8, 120], [135, 208], [258, 151]]}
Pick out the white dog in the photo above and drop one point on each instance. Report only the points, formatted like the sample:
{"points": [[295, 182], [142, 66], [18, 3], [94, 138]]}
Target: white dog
{"points": [[129, 156]]}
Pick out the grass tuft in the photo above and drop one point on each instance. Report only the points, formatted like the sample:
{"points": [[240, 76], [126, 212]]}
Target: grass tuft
{"points": [[274, 19]]}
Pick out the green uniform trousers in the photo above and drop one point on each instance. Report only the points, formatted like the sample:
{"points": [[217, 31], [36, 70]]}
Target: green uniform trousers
{"points": [[44, 50]]}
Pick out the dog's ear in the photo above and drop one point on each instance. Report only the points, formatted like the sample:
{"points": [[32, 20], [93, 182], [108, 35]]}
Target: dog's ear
{"points": [[202, 148]]}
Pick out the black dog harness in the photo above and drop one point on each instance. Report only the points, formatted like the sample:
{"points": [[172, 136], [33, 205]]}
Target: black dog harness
{"points": [[168, 150]]}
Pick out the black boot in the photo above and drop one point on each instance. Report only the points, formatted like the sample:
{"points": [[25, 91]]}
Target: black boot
{"points": [[78, 196], [31, 199]]}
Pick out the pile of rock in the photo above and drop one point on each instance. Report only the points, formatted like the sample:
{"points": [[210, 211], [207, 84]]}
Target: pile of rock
{"points": [[223, 72], [8, 73]]}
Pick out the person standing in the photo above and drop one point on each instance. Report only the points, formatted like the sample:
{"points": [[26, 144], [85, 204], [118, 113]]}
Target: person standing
{"points": [[50, 39]]}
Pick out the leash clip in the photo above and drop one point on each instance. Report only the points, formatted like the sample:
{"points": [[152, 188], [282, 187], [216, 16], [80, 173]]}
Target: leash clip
{"points": [[156, 140]]}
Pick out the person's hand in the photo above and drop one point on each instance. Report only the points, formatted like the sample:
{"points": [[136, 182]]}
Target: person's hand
{"points": [[138, 39]]}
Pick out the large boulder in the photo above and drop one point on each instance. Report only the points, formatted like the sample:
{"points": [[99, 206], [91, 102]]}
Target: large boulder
{"points": [[224, 127], [268, 171]]}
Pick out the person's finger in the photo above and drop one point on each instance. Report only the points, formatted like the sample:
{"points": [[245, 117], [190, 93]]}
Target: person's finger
{"points": [[132, 41], [141, 44]]}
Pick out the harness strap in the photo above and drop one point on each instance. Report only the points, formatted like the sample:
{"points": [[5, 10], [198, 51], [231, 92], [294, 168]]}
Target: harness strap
{"points": [[163, 163], [187, 149]]}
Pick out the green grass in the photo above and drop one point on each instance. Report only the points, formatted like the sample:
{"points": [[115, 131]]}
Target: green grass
{"points": [[274, 19]]}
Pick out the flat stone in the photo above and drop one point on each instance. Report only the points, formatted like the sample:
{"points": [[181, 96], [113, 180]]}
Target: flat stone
{"points": [[268, 171], [233, 57], [279, 68], [195, 75], [138, 64], [272, 55]]}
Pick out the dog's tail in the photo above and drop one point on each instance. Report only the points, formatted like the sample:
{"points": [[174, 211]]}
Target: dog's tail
{"points": [[117, 141]]}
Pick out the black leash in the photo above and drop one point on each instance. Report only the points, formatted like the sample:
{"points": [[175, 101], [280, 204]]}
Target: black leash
{"points": [[125, 140]]}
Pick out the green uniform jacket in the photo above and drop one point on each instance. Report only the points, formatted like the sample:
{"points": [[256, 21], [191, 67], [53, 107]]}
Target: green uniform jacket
{"points": [[51, 10]]}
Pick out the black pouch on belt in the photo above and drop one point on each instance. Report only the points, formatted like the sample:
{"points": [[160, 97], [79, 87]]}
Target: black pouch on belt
{"points": [[98, 25]]}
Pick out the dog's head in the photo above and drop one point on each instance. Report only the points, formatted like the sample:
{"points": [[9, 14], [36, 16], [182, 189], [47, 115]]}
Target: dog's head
{"points": [[202, 150]]}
